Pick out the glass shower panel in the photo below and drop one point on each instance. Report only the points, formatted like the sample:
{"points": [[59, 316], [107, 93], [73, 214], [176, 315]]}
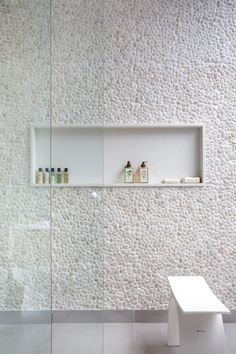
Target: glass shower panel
{"points": [[25, 215], [77, 208]]}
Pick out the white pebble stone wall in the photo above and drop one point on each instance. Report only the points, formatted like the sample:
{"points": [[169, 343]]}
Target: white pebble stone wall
{"points": [[25, 257], [118, 61], [78, 249]]}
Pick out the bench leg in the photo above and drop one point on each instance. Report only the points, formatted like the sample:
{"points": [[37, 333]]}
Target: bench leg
{"points": [[201, 333], [173, 324]]}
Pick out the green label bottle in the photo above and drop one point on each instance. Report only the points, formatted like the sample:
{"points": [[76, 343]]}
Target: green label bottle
{"points": [[58, 175], [129, 173]]}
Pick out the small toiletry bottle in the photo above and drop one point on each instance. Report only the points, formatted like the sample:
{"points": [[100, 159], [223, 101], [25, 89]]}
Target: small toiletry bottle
{"points": [[52, 176], [62, 177], [129, 173], [46, 176], [39, 176], [58, 175], [143, 172], [66, 176]]}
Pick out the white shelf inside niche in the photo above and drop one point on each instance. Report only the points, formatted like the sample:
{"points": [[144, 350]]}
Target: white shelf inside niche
{"points": [[117, 185], [95, 155]]}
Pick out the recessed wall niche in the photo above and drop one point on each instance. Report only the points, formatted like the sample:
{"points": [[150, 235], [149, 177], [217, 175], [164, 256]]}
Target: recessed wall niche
{"points": [[96, 155]]}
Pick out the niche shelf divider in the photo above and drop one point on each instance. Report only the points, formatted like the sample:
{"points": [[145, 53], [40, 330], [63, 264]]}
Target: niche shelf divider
{"points": [[96, 155]]}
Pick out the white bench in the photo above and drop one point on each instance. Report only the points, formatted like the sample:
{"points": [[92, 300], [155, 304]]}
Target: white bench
{"points": [[195, 317]]}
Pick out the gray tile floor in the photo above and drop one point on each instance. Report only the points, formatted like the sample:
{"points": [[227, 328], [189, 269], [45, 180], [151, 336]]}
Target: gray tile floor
{"points": [[148, 338]]}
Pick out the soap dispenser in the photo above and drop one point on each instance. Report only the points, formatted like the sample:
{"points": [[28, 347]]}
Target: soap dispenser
{"points": [[129, 173], [143, 172]]}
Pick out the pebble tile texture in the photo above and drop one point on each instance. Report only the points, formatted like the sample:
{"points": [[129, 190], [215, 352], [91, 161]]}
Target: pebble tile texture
{"points": [[117, 61]]}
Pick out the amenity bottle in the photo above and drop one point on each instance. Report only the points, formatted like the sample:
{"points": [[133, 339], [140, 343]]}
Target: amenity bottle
{"points": [[39, 176], [46, 176], [59, 175], [143, 172], [66, 176], [129, 173], [53, 176]]}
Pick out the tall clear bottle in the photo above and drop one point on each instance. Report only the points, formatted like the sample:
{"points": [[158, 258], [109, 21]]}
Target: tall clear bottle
{"points": [[129, 173]]}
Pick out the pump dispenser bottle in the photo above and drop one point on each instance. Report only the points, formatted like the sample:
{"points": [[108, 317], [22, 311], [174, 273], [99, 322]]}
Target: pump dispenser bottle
{"points": [[129, 173], [143, 172]]}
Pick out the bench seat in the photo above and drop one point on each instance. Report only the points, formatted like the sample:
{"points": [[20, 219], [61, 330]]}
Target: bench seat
{"points": [[193, 295]]}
